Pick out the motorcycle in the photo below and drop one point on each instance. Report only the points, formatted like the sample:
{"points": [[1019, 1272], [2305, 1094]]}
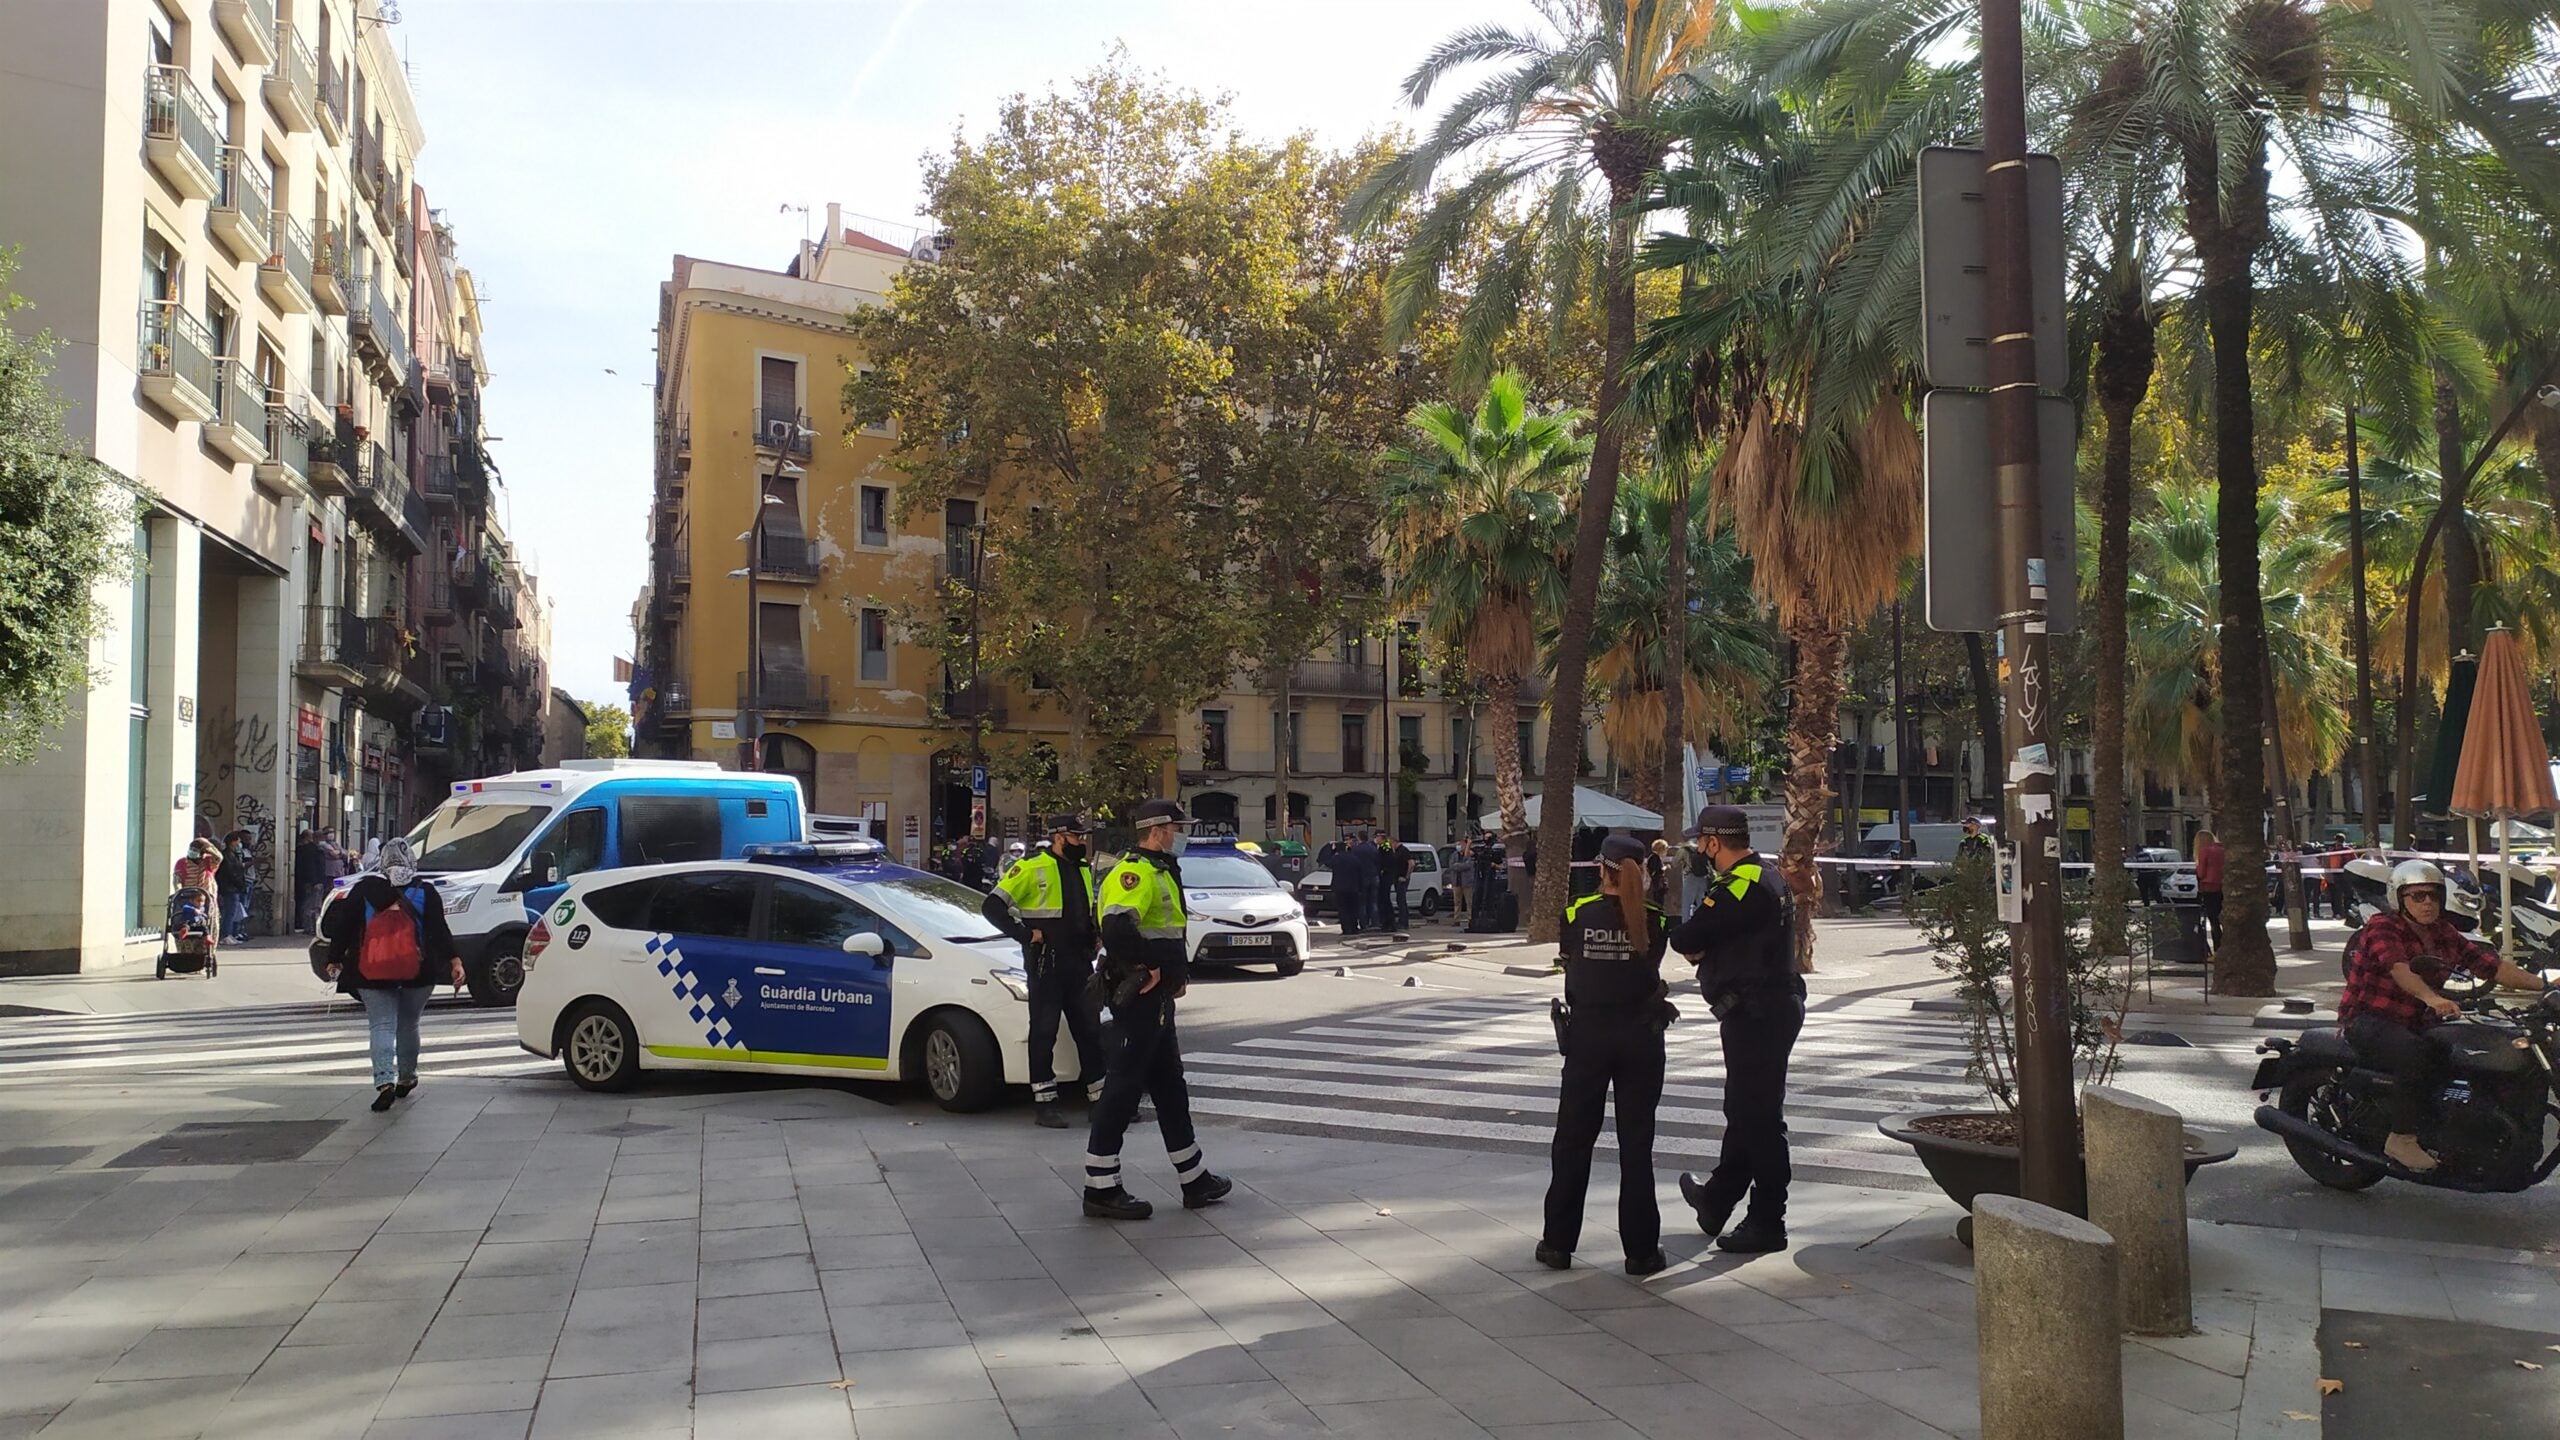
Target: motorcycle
{"points": [[2487, 1125], [2365, 881]]}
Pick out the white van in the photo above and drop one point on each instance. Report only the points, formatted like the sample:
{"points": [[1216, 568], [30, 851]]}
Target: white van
{"points": [[500, 850]]}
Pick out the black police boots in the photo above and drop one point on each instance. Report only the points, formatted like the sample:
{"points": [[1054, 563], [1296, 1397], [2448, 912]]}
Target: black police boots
{"points": [[1116, 1203], [1755, 1236], [1653, 1264], [1048, 1116], [1553, 1258], [1711, 1217], [1208, 1190]]}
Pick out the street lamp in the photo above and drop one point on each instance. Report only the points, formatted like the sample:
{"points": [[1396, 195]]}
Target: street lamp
{"points": [[751, 716]]}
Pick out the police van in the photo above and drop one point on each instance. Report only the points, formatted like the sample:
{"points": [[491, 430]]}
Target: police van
{"points": [[502, 849]]}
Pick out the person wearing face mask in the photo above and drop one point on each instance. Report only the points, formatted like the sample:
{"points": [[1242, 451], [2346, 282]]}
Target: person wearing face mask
{"points": [[388, 947], [1610, 1027], [1742, 939], [1045, 902]]}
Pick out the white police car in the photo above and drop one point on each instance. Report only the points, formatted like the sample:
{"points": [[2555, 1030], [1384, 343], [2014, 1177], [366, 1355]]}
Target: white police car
{"points": [[1239, 913], [801, 959]]}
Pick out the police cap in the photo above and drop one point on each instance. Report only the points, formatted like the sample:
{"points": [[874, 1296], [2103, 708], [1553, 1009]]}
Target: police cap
{"points": [[1159, 812], [1725, 822], [1068, 824], [1619, 849]]}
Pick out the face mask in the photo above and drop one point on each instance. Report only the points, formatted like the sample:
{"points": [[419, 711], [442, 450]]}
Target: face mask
{"points": [[399, 863], [1699, 864]]}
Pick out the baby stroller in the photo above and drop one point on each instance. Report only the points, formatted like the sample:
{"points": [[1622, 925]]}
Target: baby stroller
{"points": [[186, 936]]}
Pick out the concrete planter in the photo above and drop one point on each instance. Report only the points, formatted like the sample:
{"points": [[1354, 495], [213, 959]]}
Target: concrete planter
{"points": [[1966, 1169]]}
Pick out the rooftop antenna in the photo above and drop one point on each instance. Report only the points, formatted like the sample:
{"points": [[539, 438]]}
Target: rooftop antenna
{"points": [[786, 207]]}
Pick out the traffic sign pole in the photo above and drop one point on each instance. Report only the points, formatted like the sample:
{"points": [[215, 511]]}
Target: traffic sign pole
{"points": [[2048, 1120]]}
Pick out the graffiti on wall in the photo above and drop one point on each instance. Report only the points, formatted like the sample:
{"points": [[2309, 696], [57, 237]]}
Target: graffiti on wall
{"points": [[231, 750]]}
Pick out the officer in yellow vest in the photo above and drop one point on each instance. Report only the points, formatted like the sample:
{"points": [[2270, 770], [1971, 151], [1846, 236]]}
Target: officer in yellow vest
{"points": [[1742, 939], [1045, 901], [1146, 968]]}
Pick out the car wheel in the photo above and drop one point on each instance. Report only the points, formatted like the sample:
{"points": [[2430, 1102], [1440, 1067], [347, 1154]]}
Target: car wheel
{"points": [[599, 1048], [958, 1058], [500, 973], [1430, 903], [1292, 965]]}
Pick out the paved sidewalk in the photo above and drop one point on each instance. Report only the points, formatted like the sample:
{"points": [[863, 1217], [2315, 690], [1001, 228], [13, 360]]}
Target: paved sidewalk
{"points": [[505, 1259]]}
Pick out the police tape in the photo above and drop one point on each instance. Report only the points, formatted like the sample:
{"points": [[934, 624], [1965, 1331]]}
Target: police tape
{"points": [[2308, 859]]}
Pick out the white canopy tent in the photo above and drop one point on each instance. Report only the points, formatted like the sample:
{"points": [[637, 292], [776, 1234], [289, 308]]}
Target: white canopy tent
{"points": [[1591, 809]]}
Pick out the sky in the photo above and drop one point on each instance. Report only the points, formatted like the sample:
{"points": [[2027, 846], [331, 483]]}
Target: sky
{"points": [[577, 146]]}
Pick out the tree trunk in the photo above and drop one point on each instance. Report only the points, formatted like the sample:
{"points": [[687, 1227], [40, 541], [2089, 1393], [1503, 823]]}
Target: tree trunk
{"points": [[2546, 451], [2127, 352], [1502, 697], [1986, 716], [1813, 737], [1644, 783], [1674, 770], [1582, 581], [2461, 554], [2227, 231], [2360, 624]]}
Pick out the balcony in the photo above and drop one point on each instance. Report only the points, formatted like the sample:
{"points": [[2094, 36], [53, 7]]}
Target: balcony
{"points": [[284, 276], [373, 322], [250, 26], [333, 455], [442, 480], [788, 558], [364, 163], [239, 424], [968, 704], [287, 469], [380, 499], [785, 692], [292, 86], [180, 133], [332, 275], [784, 432], [178, 370], [680, 568], [502, 599], [333, 100], [1337, 677], [242, 205], [334, 651]]}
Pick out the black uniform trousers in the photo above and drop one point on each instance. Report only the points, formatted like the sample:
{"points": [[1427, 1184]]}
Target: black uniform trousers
{"points": [[1058, 992], [1758, 1034], [2418, 1063], [1617, 1047], [1146, 1063]]}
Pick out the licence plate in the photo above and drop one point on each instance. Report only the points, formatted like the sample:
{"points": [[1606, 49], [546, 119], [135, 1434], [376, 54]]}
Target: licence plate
{"points": [[1248, 939]]}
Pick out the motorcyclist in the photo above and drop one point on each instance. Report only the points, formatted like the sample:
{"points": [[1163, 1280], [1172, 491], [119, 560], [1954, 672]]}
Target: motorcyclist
{"points": [[2396, 971]]}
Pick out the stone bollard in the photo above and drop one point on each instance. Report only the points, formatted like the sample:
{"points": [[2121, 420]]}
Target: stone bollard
{"points": [[2052, 1367], [2137, 1152]]}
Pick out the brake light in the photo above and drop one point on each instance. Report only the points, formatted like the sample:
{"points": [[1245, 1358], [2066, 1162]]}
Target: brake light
{"points": [[535, 940]]}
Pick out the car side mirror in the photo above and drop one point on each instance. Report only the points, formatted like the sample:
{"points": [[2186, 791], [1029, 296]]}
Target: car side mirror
{"points": [[865, 943], [544, 869]]}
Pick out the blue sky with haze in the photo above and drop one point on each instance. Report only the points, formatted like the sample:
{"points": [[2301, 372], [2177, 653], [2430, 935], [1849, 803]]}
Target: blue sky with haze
{"points": [[578, 145]]}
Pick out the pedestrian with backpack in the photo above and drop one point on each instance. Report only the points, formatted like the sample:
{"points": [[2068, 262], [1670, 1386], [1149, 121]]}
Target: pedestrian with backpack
{"points": [[388, 947]]}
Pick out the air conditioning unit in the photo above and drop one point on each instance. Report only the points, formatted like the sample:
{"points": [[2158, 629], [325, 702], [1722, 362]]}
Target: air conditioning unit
{"points": [[434, 725], [930, 248], [783, 434]]}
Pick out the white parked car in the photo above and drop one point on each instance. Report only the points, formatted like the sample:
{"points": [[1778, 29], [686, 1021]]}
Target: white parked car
{"points": [[1239, 914], [1424, 891], [802, 959]]}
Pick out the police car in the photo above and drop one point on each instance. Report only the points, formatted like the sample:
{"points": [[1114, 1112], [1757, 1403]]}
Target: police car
{"points": [[1239, 914], [818, 959]]}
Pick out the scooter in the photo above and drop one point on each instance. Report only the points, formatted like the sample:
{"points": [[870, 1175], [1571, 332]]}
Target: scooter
{"points": [[2486, 1126]]}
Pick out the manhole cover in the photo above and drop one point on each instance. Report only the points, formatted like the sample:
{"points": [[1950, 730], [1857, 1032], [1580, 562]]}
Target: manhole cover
{"points": [[44, 1155], [231, 1142]]}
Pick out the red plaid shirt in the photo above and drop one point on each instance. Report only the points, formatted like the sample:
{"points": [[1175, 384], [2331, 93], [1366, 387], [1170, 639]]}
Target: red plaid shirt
{"points": [[2433, 952]]}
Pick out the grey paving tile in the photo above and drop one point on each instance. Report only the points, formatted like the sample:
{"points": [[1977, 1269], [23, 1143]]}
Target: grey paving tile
{"points": [[993, 1262], [759, 1243], [1600, 1429], [1400, 1420], [1036, 1345], [1867, 1421], [1072, 1395], [752, 1317], [2192, 1388], [1341, 1374], [1282, 1325], [1144, 1312], [774, 1275], [407, 1401], [1828, 1348], [180, 1354], [335, 1322], [1503, 1313], [1584, 1361], [452, 1427], [881, 1285], [235, 1305], [1183, 1358], [819, 1412], [930, 1325], [951, 1420], [1680, 1411], [889, 1378], [623, 1348], [143, 1409], [614, 1407], [528, 1257], [766, 1363], [1669, 1330], [749, 1214], [1765, 1381], [1249, 1407], [866, 1252], [394, 1280], [490, 1337], [509, 1294], [1511, 1398]]}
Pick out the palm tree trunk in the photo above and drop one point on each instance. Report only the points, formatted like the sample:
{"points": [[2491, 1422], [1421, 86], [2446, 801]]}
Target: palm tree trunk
{"points": [[2368, 758], [2546, 451], [1986, 716], [1502, 698], [1644, 780], [2461, 555], [1813, 736], [2127, 353], [2404, 797], [1674, 770], [1582, 582]]}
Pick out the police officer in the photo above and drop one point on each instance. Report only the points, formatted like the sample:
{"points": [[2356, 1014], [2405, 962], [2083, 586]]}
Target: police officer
{"points": [[1610, 1029], [1741, 938], [1045, 901], [1146, 969]]}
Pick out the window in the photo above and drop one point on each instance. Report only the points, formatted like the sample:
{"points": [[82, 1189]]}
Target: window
{"points": [[875, 514], [624, 907], [1409, 753], [577, 842], [778, 388], [1355, 744], [778, 641], [159, 266], [1213, 739], [806, 914], [223, 321], [960, 541], [1529, 747], [875, 644], [719, 904], [662, 829], [1355, 649]]}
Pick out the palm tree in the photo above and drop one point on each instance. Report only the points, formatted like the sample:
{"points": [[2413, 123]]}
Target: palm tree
{"points": [[1477, 514], [1724, 649], [1584, 97]]}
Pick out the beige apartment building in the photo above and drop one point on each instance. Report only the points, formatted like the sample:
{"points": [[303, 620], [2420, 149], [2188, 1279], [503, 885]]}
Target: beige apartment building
{"points": [[216, 215]]}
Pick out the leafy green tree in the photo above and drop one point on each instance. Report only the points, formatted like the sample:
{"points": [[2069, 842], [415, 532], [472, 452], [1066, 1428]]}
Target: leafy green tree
{"points": [[1582, 97], [608, 731], [1476, 525], [66, 527]]}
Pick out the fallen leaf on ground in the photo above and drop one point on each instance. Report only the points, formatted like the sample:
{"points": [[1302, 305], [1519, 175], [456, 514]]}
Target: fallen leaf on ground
{"points": [[2331, 1387], [2527, 1365], [839, 1384], [2300, 1415], [2352, 1344], [1383, 1210]]}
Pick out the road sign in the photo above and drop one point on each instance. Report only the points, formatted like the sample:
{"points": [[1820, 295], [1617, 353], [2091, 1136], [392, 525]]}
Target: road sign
{"points": [[978, 780], [1960, 535], [978, 818], [1955, 301]]}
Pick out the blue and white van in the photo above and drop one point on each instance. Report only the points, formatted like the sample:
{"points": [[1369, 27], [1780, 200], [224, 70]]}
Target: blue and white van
{"points": [[500, 850]]}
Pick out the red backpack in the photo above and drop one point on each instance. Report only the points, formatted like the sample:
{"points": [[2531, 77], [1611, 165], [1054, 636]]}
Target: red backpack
{"points": [[389, 954]]}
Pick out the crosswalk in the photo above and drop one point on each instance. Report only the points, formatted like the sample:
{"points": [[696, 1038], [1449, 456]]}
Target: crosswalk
{"points": [[1481, 1073], [324, 1038]]}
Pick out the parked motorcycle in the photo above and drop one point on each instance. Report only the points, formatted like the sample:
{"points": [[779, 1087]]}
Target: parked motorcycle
{"points": [[2366, 882], [2487, 1126]]}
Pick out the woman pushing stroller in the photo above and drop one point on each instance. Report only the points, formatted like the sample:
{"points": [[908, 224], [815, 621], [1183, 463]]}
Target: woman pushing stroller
{"points": [[389, 947]]}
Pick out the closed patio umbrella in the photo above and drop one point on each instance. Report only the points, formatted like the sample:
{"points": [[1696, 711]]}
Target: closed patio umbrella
{"points": [[2505, 773]]}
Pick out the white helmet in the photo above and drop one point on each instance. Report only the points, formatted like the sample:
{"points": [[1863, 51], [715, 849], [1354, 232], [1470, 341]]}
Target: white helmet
{"points": [[2414, 872]]}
